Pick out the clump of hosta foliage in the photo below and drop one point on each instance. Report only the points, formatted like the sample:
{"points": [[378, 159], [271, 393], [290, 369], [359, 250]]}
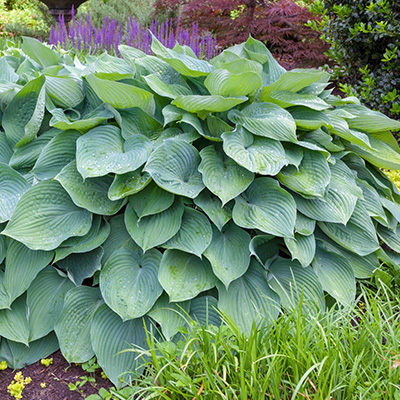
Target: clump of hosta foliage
{"points": [[134, 190]]}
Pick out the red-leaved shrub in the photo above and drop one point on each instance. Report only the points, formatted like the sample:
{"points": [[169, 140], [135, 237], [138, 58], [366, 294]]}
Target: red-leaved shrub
{"points": [[278, 23]]}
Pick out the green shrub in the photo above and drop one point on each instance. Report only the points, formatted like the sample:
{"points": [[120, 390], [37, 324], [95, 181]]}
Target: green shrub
{"points": [[140, 186], [365, 46]]}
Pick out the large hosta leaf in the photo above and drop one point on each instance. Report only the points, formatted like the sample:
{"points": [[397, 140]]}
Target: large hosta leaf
{"points": [[391, 238], [183, 276], [45, 216], [96, 236], [212, 206], [64, 91], [223, 176], [22, 266], [103, 150], [336, 275], [127, 184], [56, 155], [14, 323], [256, 154], [129, 283], [286, 98], [182, 63], [173, 166], [170, 316], [121, 95], [171, 90], [194, 235], [249, 299], [90, 194], [82, 266], [110, 336], [358, 235], [5, 149], [301, 248], [151, 200], [45, 300], [267, 207], [264, 248], [225, 83], [73, 326], [229, 253], [311, 177], [293, 283], [23, 116], [12, 186], [42, 54], [153, 230], [204, 309], [203, 105], [18, 355], [266, 119]]}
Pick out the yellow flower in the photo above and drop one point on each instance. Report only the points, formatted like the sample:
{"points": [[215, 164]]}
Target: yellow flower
{"points": [[3, 365], [43, 385], [46, 361], [103, 375]]}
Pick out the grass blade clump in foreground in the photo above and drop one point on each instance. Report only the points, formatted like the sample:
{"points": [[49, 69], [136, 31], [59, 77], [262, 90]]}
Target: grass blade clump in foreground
{"points": [[136, 185], [342, 354]]}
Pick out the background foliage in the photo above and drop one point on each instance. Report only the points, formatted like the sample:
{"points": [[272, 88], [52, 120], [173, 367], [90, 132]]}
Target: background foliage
{"points": [[365, 46]]}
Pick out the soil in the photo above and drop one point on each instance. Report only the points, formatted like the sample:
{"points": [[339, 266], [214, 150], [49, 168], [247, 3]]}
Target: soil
{"points": [[57, 376]]}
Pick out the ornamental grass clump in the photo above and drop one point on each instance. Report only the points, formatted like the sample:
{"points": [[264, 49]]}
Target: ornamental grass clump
{"points": [[136, 190]]}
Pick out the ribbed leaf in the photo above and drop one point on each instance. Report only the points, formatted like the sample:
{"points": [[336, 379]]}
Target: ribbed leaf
{"points": [[98, 233], [22, 266], [23, 116], [129, 283], [173, 166], [151, 200], [249, 299], [121, 95], [302, 248], [204, 309], [183, 276], [182, 63], [212, 206], [45, 300], [312, 176], [14, 323], [336, 275], [266, 119], [304, 226], [110, 337], [391, 238], [225, 83], [308, 119], [229, 253], [194, 235], [256, 154], [286, 98], [56, 155], [118, 238], [294, 80], [103, 150], [17, 355], [153, 230], [43, 55], [5, 149], [127, 184], [82, 266], [45, 216], [135, 121], [358, 235], [170, 316], [171, 90], [267, 207], [73, 326], [12, 186], [205, 104], [264, 248], [293, 283], [222, 176], [64, 91], [90, 194]]}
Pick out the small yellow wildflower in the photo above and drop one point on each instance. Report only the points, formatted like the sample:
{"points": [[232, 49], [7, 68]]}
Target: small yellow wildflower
{"points": [[43, 385], [3, 365], [103, 375], [16, 387], [46, 361]]}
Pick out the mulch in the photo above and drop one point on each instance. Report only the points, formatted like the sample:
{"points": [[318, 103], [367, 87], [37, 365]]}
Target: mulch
{"points": [[57, 376]]}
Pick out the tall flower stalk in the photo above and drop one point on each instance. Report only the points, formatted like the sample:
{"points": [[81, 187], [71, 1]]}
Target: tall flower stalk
{"points": [[85, 36]]}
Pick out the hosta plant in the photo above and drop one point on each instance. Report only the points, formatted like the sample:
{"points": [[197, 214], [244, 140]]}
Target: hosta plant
{"points": [[137, 190]]}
